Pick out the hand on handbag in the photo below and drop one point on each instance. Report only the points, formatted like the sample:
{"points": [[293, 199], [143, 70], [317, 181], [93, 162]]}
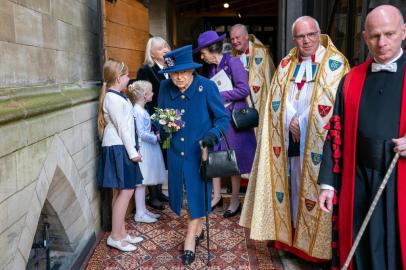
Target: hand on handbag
{"points": [[209, 140]]}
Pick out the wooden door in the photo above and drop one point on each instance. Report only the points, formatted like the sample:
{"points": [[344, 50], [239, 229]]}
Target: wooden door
{"points": [[125, 27], [125, 32]]}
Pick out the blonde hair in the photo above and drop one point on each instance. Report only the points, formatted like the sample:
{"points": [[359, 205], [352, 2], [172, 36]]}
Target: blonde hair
{"points": [[112, 70], [138, 89], [154, 42]]}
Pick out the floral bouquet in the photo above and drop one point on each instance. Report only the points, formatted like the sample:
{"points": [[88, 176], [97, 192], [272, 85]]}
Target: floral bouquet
{"points": [[171, 122]]}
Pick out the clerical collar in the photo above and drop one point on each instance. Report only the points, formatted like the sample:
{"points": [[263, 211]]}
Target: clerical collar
{"points": [[393, 60], [248, 49], [307, 58], [305, 71]]}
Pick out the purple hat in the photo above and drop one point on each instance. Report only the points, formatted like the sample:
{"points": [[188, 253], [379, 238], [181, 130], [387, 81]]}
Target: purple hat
{"points": [[208, 38]]}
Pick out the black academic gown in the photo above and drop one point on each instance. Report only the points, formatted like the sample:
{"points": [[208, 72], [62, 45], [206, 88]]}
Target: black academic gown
{"points": [[378, 124]]}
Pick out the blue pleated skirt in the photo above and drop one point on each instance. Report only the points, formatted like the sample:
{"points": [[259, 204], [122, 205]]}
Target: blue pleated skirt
{"points": [[117, 170]]}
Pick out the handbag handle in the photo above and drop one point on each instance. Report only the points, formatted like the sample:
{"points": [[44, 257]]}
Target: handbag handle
{"points": [[252, 102], [226, 141]]}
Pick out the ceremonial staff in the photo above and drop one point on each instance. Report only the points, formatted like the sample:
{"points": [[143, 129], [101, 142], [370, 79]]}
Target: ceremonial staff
{"points": [[205, 154]]}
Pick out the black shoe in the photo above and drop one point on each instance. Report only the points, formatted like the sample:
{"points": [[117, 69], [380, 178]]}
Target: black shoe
{"points": [[155, 203], [153, 199], [199, 238], [228, 213], [162, 197], [188, 257], [218, 204]]}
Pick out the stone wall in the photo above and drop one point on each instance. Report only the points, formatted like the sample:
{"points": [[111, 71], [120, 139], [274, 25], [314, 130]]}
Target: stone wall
{"points": [[48, 41], [50, 157], [49, 51], [159, 19]]}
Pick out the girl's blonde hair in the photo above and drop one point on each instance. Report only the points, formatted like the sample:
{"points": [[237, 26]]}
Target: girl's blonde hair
{"points": [[154, 42], [137, 90], [112, 70]]}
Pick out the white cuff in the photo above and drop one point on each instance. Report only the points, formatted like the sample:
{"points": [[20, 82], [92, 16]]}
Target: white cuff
{"points": [[325, 186], [290, 113]]}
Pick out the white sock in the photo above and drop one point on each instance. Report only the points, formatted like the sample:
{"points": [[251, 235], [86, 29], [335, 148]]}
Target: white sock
{"points": [[140, 200]]}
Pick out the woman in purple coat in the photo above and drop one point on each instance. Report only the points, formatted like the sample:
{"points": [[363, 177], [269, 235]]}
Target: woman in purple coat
{"points": [[210, 46]]}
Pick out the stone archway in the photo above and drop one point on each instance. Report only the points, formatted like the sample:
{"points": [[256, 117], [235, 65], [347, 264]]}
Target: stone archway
{"points": [[60, 188]]}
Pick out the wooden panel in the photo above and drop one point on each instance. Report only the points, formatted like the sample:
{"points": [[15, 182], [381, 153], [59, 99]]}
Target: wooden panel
{"points": [[128, 12], [121, 36], [132, 58], [126, 32]]}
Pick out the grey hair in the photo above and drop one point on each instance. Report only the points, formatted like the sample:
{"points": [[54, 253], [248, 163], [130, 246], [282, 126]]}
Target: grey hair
{"points": [[153, 42], [138, 88], [240, 26], [304, 18]]}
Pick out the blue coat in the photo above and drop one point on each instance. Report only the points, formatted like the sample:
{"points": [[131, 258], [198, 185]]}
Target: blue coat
{"points": [[203, 112]]}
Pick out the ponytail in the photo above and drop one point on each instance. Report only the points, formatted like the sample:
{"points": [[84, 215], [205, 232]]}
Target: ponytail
{"points": [[101, 123], [112, 69]]}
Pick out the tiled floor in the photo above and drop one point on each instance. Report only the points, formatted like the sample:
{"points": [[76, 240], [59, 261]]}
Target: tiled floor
{"points": [[163, 245]]}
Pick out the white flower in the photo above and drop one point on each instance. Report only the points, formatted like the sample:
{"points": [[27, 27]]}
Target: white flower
{"points": [[162, 122]]}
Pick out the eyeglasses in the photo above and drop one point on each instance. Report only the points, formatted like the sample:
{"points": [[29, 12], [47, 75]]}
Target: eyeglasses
{"points": [[311, 36]]}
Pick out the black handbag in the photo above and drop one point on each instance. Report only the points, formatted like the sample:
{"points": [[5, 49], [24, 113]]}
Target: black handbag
{"points": [[221, 163], [246, 118]]}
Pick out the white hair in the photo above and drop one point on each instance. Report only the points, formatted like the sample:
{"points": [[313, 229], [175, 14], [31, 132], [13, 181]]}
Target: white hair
{"points": [[241, 27], [305, 18], [152, 43]]}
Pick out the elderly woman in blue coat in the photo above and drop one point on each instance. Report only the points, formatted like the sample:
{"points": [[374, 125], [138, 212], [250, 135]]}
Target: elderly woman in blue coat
{"points": [[204, 114], [210, 46]]}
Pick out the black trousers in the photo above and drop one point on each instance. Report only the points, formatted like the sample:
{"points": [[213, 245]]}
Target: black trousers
{"points": [[379, 248]]}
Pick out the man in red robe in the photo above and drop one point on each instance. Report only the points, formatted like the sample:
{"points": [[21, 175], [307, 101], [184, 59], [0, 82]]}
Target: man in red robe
{"points": [[367, 128]]}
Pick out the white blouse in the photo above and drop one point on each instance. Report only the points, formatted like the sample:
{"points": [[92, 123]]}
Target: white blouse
{"points": [[119, 120]]}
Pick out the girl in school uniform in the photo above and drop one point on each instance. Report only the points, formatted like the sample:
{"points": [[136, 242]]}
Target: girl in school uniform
{"points": [[152, 166], [119, 162]]}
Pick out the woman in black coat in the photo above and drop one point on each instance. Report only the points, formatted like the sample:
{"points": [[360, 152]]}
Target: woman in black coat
{"points": [[156, 48]]}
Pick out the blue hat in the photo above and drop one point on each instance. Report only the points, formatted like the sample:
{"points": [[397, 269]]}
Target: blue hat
{"points": [[179, 59], [208, 38]]}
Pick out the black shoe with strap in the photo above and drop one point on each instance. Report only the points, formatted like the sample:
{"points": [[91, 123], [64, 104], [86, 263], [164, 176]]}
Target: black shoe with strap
{"points": [[229, 213], [188, 257]]}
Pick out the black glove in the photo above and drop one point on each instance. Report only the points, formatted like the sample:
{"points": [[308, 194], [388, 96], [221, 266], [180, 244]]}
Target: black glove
{"points": [[209, 140], [163, 135]]}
